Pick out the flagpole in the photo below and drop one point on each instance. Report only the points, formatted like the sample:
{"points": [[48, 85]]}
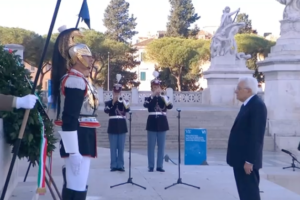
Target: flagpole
{"points": [[79, 14], [24, 122]]}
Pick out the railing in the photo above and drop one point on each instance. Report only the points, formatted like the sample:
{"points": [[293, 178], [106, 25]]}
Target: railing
{"points": [[136, 97]]}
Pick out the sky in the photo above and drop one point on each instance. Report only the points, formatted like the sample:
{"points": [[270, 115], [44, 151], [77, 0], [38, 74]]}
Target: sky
{"points": [[152, 15]]}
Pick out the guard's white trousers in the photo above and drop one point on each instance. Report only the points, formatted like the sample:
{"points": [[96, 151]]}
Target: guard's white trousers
{"points": [[78, 182]]}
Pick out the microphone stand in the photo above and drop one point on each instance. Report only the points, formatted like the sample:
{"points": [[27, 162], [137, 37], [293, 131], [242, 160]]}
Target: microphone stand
{"points": [[129, 181], [293, 165], [179, 180]]}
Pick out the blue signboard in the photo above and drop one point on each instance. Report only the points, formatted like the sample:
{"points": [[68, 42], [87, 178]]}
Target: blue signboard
{"points": [[195, 146]]}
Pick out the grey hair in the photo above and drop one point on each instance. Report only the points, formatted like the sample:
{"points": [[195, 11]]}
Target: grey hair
{"points": [[250, 83]]}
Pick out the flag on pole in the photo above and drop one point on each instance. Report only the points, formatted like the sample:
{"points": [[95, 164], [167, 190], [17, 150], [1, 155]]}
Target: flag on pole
{"points": [[85, 14]]}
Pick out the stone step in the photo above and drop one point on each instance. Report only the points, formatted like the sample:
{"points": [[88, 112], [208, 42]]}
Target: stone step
{"points": [[220, 143]]}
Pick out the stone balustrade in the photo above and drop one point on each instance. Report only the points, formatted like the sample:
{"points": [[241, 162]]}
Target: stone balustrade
{"points": [[135, 97]]}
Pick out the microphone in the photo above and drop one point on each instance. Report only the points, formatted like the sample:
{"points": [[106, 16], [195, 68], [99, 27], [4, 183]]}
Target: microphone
{"points": [[178, 110], [130, 112], [286, 151]]}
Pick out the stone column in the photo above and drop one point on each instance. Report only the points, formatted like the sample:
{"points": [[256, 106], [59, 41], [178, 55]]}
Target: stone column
{"points": [[282, 77]]}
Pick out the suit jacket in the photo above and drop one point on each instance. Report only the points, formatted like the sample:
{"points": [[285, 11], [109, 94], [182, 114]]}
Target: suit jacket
{"points": [[7, 102], [246, 138]]}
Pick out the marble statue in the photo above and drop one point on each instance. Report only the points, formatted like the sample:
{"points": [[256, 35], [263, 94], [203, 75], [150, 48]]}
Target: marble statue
{"points": [[292, 9], [223, 42]]}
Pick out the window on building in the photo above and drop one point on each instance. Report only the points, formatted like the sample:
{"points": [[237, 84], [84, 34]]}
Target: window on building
{"points": [[143, 76]]}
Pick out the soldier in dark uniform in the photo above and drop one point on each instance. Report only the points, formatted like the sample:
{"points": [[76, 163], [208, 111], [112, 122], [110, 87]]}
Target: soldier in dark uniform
{"points": [[157, 123], [76, 102], [117, 108]]}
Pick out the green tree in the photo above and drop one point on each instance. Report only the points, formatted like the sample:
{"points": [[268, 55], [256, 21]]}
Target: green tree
{"points": [[33, 44], [120, 26], [243, 17], [179, 59], [256, 46], [120, 59], [181, 17], [13, 82]]}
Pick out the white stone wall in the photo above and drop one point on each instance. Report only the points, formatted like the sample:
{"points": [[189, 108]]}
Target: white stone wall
{"points": [[6, 157]]}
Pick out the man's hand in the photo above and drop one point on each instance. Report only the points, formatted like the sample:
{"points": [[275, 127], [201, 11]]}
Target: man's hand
{"points": [[76, 160], [27, 102], [115, 97], [248, 168]]}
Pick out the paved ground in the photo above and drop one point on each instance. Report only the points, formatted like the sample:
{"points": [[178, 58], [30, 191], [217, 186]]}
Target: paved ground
{"points": [[216, 179]]}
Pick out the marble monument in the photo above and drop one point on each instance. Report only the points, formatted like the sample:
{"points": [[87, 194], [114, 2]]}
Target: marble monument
{"points": [[282, 77], [227, 64]]}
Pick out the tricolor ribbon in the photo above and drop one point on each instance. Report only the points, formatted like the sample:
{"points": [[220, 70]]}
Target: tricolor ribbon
{"points": [[41, 190]]}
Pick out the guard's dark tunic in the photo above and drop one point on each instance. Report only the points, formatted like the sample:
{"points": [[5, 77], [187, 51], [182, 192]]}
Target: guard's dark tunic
{"points": [[78, 101], [117, 116], [157, 107]]}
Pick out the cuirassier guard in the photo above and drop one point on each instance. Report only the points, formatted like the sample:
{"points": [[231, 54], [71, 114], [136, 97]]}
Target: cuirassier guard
{"points": [[117, 108], [76, 101], [157, 123]]}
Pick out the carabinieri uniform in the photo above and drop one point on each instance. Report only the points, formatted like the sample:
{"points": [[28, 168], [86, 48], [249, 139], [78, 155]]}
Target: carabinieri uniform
{"points": [[157, 126], [117, 127], [76, 101]]}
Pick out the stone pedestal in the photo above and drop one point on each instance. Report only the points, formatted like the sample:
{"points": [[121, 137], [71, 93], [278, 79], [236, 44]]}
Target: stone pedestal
{"points": [[5, 157], [222, 78], [282, 91]]}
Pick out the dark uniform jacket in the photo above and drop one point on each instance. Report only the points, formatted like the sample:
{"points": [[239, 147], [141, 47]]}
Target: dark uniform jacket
{"points": [[246, 138], [75, 108], [157, 107], [117, 116]]}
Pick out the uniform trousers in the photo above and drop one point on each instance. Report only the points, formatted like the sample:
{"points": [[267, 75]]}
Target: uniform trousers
{"points": [[78, 182], [160, 138], [117, 145]]}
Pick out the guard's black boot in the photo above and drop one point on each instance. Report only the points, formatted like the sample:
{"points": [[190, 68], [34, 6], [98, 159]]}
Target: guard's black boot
{"points": [[67, 194], [79, 195]]}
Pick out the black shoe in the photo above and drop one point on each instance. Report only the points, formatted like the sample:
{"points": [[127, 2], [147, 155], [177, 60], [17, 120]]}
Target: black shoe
{"points": [[160, 170], [113, 169], [122, 169], [150, 169]]}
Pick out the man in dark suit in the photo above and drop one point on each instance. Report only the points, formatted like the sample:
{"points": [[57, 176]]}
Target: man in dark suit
{"points": [[245, 145]]}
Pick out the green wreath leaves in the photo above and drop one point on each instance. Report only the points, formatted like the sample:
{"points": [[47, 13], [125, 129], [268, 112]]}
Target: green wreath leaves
{"points": [[13, 82]]}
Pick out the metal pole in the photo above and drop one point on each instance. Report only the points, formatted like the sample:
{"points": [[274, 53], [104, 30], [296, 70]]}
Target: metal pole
{"points": [[108, 74], [24, 122]]}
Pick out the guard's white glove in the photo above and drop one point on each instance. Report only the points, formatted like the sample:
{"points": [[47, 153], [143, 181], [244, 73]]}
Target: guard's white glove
{"points": [[75, 161], [27, 102]]}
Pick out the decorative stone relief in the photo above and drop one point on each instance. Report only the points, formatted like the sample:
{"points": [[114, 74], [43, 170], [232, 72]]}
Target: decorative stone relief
{"points": [[291, 17], [223, 42]]}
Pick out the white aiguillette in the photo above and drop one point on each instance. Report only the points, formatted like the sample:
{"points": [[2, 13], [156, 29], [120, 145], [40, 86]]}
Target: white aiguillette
{"points": [[70, 141]]}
